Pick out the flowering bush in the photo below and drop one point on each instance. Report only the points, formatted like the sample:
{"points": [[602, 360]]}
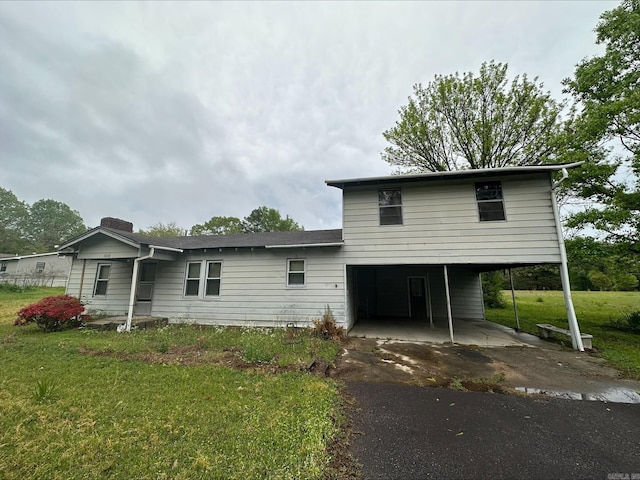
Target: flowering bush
{"points": [[51, 313]]}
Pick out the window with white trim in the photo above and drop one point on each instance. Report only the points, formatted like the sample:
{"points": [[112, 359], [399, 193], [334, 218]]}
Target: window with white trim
{"points": [[296, 272], [192, 282], [203, 279], [214, 271], [40, 267], [490, 201], [3, 266], [102, 279], [390, 205]]}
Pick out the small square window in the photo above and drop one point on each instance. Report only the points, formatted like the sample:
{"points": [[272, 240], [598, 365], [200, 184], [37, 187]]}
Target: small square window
{"points": [[390, 205], [295, 273], [40, 267], [490, 201], [102, 279], [3, 266]]}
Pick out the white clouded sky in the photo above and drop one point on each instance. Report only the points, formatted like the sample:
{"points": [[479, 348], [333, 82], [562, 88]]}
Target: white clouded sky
{"points": [[161, 112]]}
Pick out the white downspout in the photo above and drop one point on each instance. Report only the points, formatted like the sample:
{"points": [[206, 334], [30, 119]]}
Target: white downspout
{"points": [[576, 338], [132, 295]]}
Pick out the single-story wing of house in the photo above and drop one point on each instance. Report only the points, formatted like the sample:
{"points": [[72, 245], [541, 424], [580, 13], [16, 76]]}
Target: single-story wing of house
{"points": [[411, 246], [39, 269]]}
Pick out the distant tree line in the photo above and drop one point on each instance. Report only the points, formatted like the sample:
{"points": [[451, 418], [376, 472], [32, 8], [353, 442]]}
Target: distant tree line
{"points": [[261, 219], [37, 228]]}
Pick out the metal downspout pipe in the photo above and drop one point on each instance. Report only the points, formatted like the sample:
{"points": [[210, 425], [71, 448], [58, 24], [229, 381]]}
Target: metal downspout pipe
{"points": [[576, 338], [134, 285]]}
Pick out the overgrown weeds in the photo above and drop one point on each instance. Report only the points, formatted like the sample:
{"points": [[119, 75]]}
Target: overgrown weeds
{"points": [[326, 327]]}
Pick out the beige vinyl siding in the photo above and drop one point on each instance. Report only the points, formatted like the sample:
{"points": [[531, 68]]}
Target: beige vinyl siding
{"points": [[104, 247], [253, 289], [441, 225], [116, 301]]}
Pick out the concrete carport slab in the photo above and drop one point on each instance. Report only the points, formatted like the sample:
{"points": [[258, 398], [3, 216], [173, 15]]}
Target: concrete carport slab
{"points": [[466, 332]]}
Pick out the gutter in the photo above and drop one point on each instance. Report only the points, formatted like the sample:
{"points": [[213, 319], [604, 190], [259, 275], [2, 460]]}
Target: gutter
{"points": [[306, 245], [126, 327], [576, 337]]}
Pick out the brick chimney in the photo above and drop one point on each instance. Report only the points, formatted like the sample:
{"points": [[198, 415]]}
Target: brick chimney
{"points": [[117, 224]]}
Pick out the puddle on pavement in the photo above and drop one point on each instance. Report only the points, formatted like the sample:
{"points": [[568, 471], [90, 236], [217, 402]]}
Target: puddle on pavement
{"points": [[613, 395]]}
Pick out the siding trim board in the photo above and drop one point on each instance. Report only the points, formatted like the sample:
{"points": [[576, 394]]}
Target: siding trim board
{"points": [[362, 270]]}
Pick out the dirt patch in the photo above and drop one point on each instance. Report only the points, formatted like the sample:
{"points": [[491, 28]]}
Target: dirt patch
{"points": [[192, 355], [551, 368]]}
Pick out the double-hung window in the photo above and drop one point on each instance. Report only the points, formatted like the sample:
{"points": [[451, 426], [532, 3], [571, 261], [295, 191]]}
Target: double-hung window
{"points": [[102, 279], [296, 273], [3, 266], [192, 283], [390, 205], [202, 279], [40, 267], [214, 270], [490, 201]]}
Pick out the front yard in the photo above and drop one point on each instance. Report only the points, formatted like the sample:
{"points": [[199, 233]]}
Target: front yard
{"points": [[178, 402]]}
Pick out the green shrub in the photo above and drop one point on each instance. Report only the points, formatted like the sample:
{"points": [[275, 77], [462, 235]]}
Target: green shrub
{"points": [[492, 290], [628, 322], [11, 288]]}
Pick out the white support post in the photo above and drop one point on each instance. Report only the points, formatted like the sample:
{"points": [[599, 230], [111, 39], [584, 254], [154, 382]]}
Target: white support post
{"points": [[576, 337], [449, 316], [513, 298], [429, 306]]}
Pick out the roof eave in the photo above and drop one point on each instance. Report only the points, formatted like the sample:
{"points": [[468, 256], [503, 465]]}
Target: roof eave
{"points": [[422, 177]]}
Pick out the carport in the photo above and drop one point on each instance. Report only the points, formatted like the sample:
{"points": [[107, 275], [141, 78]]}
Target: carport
{"points": [[412, 298], [430, 303]]}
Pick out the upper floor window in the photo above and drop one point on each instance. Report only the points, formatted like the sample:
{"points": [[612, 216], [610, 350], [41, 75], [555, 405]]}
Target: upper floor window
{"points": [[490, 202], [102, 279], [390, 203], [296, 273]]}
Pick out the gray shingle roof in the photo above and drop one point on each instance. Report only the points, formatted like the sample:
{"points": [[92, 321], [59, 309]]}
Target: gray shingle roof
{"points": [[239, 240]]}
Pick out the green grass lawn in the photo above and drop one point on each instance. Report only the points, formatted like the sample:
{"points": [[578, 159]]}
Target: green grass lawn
{"points": [[87, 404], [593, 309]]}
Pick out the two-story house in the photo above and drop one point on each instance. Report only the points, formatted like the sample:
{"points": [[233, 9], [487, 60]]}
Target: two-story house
{"points": [[411, 246]]}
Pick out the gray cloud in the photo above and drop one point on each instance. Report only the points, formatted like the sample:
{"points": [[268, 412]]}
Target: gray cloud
{"points": [[160, 112]]}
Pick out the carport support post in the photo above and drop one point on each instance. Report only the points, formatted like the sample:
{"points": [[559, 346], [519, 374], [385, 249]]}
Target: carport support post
{"points": [[446, 289], [513, 298], [576, 338], [429, 297]]}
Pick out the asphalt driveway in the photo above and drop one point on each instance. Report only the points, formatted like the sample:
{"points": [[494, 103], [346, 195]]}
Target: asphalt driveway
{"points": [[411, 432]]}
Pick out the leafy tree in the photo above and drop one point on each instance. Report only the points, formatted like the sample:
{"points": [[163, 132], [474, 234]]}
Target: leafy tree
{"points": [[265, 219], [468, 121], [13, 218], [218, 226], [492, 286], [50, 222], [607, 88], [600, 280], [163, 230]]}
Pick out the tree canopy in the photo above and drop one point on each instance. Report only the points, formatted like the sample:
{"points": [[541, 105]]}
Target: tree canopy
{"points": [[37, 228], [265, 219], [607, 129], [261, 219], [484, 121], [50, 222], [218, 226], [170, 229]]}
